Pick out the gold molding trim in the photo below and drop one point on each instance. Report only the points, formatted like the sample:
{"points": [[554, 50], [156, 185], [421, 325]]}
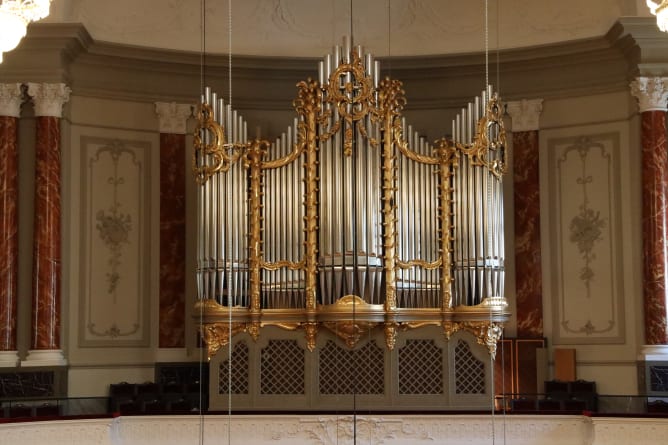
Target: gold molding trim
{"points": [[487, 333]]}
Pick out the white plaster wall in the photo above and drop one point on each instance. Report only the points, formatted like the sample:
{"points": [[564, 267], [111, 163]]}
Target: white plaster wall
{"points": [[608, 361], [96, 362], [308, 27]]}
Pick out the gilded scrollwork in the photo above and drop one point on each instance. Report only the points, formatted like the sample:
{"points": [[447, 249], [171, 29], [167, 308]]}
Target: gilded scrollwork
{"points": [[490, 138], [350, 91], [487, 333], [212, 157], [218, 335]]}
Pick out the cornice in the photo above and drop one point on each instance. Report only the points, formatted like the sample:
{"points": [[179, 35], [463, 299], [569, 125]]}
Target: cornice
{"points": [[651, 45], [66, 53], [46, 53]]}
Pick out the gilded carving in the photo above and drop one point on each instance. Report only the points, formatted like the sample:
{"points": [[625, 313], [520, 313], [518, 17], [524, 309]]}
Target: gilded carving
{"points": [[217, 335], [311, 330], [253, 330], [253, 159], [350, 331], [390, 335], [481, 152], [212, 157], [353, 104], [308, 106], [487, 333]]}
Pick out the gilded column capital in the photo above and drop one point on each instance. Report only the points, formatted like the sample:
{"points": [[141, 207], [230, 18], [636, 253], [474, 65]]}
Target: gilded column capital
{"points": [[651, 92], [172, 117], [11, 98], [49, 98], [525, 114]]}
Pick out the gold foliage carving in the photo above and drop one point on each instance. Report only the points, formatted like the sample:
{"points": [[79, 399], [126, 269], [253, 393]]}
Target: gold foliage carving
{"points": [[217, 335], [487, 333]]}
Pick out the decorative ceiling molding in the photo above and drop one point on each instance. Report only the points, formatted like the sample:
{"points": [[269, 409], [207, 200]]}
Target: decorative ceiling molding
{"points": [[67, 53]]}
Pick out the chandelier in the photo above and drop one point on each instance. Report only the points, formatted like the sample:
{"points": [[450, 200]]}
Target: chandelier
{"points": [[660, 9], [14, 18]]}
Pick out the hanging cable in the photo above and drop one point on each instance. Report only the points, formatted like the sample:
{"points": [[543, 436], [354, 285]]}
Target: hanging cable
{"points": [[486, 45], [229, 301], [201, 306], [498, 46]]}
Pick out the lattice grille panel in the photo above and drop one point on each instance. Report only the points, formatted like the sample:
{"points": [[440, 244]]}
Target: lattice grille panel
{"points": [[239, 374], [420, 368], [469, 371], [343, 371], [282, 368]]}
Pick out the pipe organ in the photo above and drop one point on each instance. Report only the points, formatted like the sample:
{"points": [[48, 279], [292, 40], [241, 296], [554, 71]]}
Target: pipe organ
{"points": [[350, 221]]}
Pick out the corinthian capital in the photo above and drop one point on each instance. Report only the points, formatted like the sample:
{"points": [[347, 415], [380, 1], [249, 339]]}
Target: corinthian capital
{"points": [[525, 114], [11, 98], [651, 92], [172, 116], [49, 98]]}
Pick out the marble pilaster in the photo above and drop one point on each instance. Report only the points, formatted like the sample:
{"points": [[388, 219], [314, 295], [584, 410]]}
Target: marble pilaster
{"points": [[528, 272], [45, 341], [652, 95], [10, 110], [172, 308]]}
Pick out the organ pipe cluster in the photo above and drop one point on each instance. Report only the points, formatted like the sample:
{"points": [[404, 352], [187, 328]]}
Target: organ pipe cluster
{"points": [[350, 220]]}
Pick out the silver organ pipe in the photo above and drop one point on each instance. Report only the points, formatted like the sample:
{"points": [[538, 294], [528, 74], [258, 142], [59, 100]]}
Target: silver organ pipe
{"points": [[350, 204], [350, 186], [222, 262], [478, 250]]}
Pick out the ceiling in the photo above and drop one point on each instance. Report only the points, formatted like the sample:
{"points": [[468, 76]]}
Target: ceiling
{"points": [[308, 28]]}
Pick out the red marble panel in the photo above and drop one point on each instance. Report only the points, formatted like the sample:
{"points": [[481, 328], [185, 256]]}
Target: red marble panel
{"points": [[46, 261], [9, 250], [528, 272], [654, 225], [172, 241]]}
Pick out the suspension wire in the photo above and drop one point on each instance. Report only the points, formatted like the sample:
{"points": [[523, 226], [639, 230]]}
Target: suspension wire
{"points": [[355, 380], [486, 45], [503, 343], [389, 37], [229, 301], [498, 46], [201, 306], [491, 356]]}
